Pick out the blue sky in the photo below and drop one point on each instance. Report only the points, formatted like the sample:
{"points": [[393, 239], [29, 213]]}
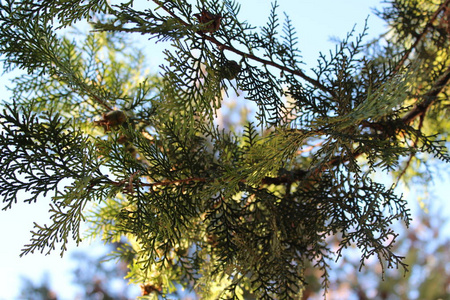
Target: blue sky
{"points": [[315, 23]]}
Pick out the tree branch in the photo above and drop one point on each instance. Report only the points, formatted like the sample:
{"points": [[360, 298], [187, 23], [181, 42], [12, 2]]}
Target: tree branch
{"points": [[297, 175], [421, 36], [178, 181], [430, 97]]}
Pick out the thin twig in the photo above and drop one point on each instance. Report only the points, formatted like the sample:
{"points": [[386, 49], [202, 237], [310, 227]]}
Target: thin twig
{"points": [[413, 154], [220, 45], [130, 183], [310, 148], [299, 73]]}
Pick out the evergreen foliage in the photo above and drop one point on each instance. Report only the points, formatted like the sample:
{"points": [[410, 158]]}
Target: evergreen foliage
{"points": [[232, 212]]}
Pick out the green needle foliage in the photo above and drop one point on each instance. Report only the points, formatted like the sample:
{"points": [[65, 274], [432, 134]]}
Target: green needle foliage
{"points": [[230, 211]]}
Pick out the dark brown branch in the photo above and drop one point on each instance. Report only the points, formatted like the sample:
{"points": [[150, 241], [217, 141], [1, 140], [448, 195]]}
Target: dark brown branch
{"points": [[430, 97], [421, 36], [419, 110], [178, 181], [286, 178], [129, 183]]}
